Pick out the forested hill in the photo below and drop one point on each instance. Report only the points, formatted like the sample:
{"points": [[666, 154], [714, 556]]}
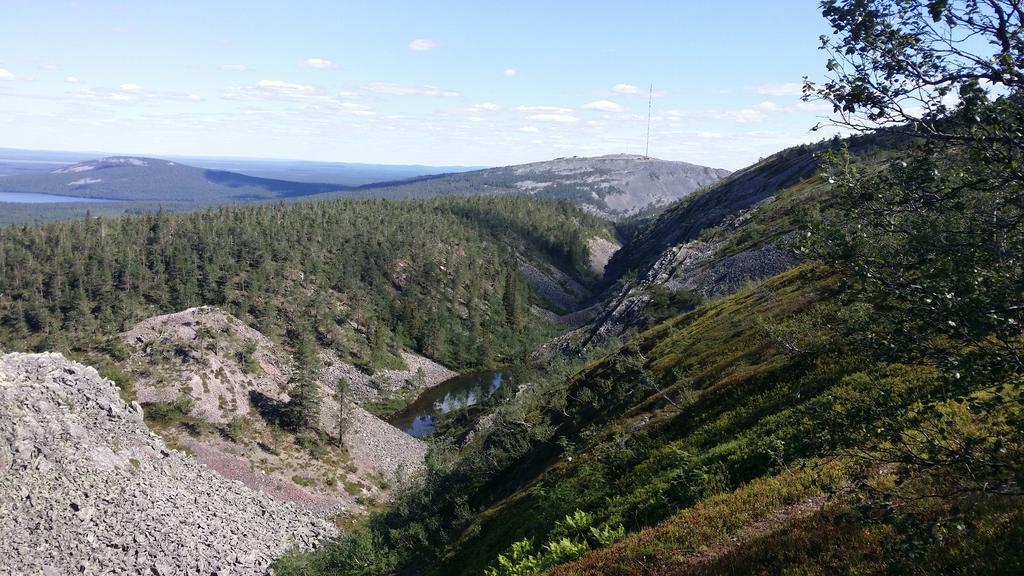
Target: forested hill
{"points": [[137, 179], [364, 277], [610, 186]]}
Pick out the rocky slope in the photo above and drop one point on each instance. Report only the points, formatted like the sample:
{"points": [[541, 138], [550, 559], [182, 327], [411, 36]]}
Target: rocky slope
{"points": [[612, 186], [420, 373], [86, 488], [222, 383], [709, 244]]}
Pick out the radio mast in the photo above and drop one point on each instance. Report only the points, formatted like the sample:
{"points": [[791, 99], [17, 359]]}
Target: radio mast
{"points": [[650, 101]]}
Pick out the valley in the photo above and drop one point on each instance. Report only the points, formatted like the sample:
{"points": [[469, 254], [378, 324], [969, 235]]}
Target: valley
{"points": [[523, 348], [501, 369]]}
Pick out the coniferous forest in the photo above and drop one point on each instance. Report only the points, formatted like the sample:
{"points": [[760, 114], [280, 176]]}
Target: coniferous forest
{"points": [[364, 277], [811, 366]]}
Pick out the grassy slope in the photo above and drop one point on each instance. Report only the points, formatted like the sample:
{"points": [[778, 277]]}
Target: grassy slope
{"points": [[750, 436], [729, 389], [715, 363], [735, 437]]}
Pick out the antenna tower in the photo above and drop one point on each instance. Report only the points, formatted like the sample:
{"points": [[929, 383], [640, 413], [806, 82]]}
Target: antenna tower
{"points": [[650, 101]]}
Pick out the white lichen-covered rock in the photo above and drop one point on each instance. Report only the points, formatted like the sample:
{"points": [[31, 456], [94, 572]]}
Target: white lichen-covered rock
{"points": [[86, 488], [200, 353], [420, 373]]}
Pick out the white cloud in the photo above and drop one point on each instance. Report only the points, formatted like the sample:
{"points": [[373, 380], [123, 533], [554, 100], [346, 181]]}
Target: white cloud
{"points": [[769, 107], [392, 89], [559, 118], [422, 45], [6, 74], [353, 108], [510, 72], [234, 67], [745, 116], [784, 89], [319, 63], [626, 89], [551, 109], [603, 106], [530, 129], [72, 80], [814, 106], [483, 107], [49, 67], [270, 90], [125, 93], [129, 94]]}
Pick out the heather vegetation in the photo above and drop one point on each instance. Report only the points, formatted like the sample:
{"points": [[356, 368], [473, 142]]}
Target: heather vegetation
{"points": [[859, 413]]}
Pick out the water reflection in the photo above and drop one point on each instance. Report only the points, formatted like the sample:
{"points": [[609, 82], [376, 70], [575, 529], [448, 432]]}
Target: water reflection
{"points": [[451, 395]]}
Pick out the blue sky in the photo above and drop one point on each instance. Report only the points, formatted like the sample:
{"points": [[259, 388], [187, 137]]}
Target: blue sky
{"points": [[439, 82]]}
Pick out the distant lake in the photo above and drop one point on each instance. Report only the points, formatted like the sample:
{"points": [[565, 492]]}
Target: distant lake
{"points": [[34, 198]]}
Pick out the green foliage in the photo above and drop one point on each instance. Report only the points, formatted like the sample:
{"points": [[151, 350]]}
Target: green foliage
{"points": [[361, 277], [571, 538], [359, 553], [302, 411], [240, 429], [247, 358], [168, 413], [666, 303], [930, 243]]}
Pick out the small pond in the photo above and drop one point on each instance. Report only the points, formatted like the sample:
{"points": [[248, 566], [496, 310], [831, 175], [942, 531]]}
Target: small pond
{"points": [[454, 394]]}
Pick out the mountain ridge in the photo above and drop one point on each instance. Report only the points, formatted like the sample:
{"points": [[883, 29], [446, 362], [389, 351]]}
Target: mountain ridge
{"points": [[612, 186]]}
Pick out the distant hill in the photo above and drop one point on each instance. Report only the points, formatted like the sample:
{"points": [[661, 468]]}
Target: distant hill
{"points": [[612, 186], [344, 173], [16, 161], [139, 179]]}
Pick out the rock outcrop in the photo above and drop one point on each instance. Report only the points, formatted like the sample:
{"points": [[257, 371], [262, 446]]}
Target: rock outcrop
{"points": [[207, 355], [234, 381], [420, 373], [86, 488]]}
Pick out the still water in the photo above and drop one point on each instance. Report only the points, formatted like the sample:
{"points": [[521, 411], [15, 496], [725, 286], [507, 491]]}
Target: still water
{"points": [[34, 198], [454, 394]]}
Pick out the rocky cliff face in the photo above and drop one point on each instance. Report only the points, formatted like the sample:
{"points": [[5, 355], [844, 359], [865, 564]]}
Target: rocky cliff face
{"points": [[695, 245], [85, 487]]}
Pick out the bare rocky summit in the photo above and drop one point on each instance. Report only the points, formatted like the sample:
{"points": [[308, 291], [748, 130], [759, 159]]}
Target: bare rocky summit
{"points": [[619, 184], [86, 488], [614, 186]]}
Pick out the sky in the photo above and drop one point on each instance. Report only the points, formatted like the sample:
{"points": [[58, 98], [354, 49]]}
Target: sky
{"points": [[430, 82]]}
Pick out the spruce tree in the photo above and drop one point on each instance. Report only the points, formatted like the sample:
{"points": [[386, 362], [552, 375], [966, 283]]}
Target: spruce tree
{"points": [[302, 412]]}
